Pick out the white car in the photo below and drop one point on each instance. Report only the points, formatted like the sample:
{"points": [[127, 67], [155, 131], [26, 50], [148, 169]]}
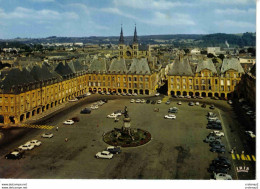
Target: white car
{"points": [[132, 100], [159, 102], [134, 94], [123, 94], [26, 147], [138, 101], [128, 94], [68, 122], [197, 103], [189, 97], [222, 176], [250, 112], [73, 100], [94, 107], [118, 94], [87, 94], [218, 133], [34, 142], [170, 116], [108, 93], [143, 101], [112, 115], [230, 102], [104, 155], [157, 94], [47, 135], [179, 103], [100, 103], [251, 134]]}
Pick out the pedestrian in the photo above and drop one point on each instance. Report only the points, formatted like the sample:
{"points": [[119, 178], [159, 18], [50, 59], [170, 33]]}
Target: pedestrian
{"points": [[57, 128], [66, 139]]}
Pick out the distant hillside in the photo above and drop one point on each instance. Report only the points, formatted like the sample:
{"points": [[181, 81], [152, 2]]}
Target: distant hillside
{"points": [[178, 40]]}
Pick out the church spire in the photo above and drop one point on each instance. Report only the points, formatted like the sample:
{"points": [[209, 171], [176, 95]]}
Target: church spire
{"points": [[121, 39], [135, 36]]}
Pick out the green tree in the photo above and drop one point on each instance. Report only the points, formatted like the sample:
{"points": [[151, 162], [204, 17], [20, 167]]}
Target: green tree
{"points": [[210, 55]]}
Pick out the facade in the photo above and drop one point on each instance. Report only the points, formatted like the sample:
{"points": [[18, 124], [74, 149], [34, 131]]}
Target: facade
{"points": [[204, 79]]}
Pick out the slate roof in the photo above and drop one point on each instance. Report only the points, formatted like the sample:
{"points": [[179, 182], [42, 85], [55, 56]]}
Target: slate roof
{"points": [[15, 77], [75, 66], [41, 73], [181, 67], [231, 63], [63, 69], [206, 64], [139, 66], [118, 66], [98, 66]]}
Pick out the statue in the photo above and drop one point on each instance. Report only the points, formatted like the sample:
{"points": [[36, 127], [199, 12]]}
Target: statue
{"points": [[126, 113]]}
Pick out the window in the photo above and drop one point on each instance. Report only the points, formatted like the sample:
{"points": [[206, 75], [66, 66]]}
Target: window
{"points": [[228, 88], [216, 81], [190, 87], [178, 80], [221, 82], [228, 75], [178, 86], [141, 79], [222, 88], [108, 78], [135, 85], [216, 88], [6, 108], [202, 74], [125, 85], [171, 86], [234, 82], [184, 86], [118, 79], [209, 81], [203, 81], [124, 79], [146, 85], [196, 87], [141, 85], [203, 87], [130, 85], [94, 77], [113, 78], [184, 80], [104, 84], [104, 78], [98, 77], [12, 99], [129, 78], [172, 80], [147, 79], [135, 79], [228, 82], [235, 75], [12, 109], [0, 99], [6, 99], [118, 84], [197, 81], [190, 81], [89, 77]]}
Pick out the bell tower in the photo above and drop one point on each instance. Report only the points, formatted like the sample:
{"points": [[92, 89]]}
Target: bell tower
{"points": [[135, 44], [121, 44]]}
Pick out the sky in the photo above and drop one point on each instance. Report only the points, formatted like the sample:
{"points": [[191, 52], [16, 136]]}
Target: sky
{"points": [[83, 18]]}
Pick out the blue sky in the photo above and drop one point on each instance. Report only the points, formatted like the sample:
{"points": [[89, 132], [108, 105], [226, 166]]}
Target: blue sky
{"points": [[80, 18]]}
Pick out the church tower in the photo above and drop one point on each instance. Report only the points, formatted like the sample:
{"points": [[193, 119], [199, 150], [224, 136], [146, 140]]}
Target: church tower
{"points": [[121, 44], [135, 44]]}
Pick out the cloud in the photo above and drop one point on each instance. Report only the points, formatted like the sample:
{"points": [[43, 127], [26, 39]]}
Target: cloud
{"points": [[150, 4], [238, 24], [118, 12], [234, 11], [31, 14], [81, 6], [42, 1]]}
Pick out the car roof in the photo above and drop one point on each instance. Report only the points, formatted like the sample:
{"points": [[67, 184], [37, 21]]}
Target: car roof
{"points": [[15, 153]]}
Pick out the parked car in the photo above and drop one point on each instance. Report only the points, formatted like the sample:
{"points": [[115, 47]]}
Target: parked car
{"points": [[143, 101], [179, 103], [203, 106], [217, 169], [34, 142], [134, 94], [112, 115], [180, 96], [250, 133], [216, 144], [223, 161], [191, 103], [211, 139], [73, 100], [230, 102], [173, 110], [222, 176], [68, 122], [85, 111], [218, 149], [13, 155], [26, 147], [128, 94], [159, 101], [168, 102], [214, 126], [113, 149], [212, 107], [93, 107], [153, 102], [170, 116], [218, 133], [188, 97], [138, 101], [123, 94], [250, 112], [104, 155], [148, 101], [47, 135], [157, 94], [132, 100], [87, 94], [200, 97], [197, 103]]}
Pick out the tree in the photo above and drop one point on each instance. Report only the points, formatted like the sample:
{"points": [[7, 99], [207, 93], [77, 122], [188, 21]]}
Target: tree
{"points": [[242, 51], [221, 56], [203, 52]]}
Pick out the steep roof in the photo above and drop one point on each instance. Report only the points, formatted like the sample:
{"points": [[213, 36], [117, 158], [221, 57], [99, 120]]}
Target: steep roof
{"points": [[180, 67], [41, 73], [139, 66], [231, 63], [63, 69], [206, 64], [118, 66], [75, 66], [98, 66]]}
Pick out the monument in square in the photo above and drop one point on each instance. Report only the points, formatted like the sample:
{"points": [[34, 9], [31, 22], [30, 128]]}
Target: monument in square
{"points": [[127, 136]]}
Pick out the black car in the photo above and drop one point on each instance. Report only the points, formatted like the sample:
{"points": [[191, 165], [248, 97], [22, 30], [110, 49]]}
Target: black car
{"points": [[223, 161], [191, 103], [217, 169], [218, 149], [153, 102], [168, 102], [216, 127], [212, 107], [148, 101], [104, 100], [85, 111], [173, 111], [14, 155], [114, 150], [214, 143], [203, 105]]}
